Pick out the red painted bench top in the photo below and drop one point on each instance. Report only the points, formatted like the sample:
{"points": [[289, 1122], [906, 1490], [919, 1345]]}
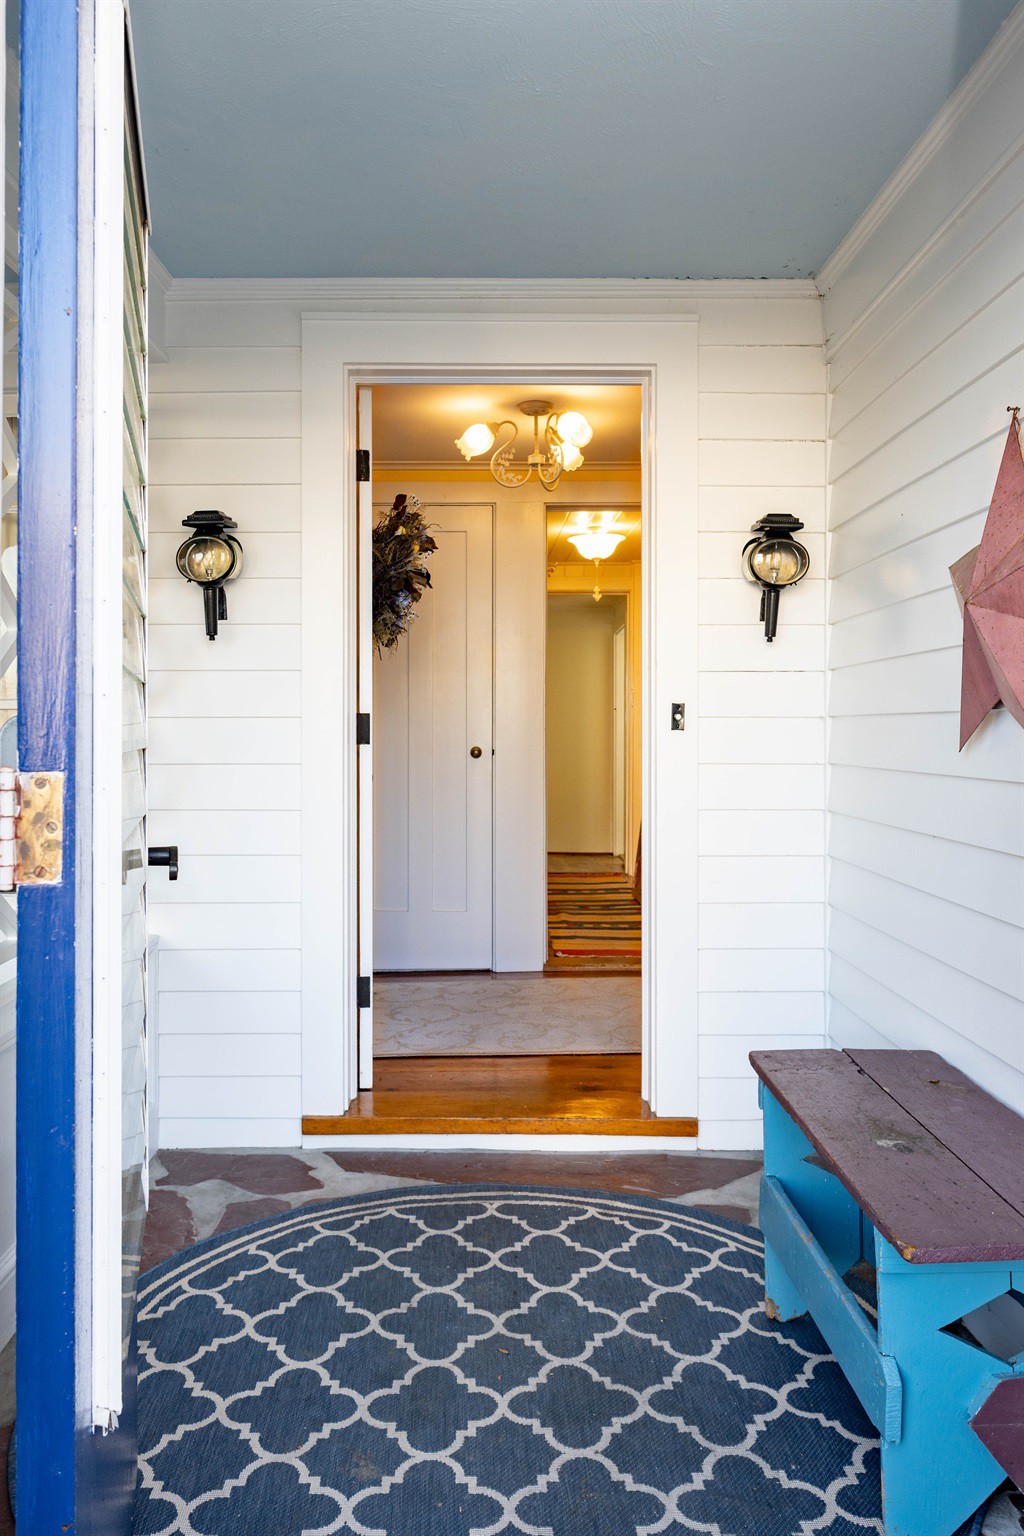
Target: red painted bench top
{"points": [[934, 1162]]}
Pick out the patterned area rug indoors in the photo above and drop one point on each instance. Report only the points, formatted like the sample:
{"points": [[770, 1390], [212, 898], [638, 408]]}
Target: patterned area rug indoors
{"points": [[455, 1361], [593, 918]]}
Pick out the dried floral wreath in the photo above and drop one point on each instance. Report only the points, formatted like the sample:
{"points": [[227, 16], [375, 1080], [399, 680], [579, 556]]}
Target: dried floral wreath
{"points": [[402, 544]]}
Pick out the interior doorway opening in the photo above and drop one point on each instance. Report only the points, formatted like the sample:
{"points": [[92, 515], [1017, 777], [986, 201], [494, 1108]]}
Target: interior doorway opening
{"points": [[475, 995], [593, 728]]}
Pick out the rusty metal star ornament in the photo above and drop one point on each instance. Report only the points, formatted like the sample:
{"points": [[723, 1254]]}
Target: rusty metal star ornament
{"points": [[989, 584]]}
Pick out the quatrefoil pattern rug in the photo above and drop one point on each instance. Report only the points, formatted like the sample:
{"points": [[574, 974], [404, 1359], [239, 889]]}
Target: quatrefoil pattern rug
{"points": [[444, 1361]]}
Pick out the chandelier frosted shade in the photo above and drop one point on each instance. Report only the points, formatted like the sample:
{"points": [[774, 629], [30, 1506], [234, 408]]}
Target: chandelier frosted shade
{"points": [[477, 439], [574, 428]]}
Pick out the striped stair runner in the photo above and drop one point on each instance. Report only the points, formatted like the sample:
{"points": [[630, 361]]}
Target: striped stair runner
{"points": [[593, 918]]}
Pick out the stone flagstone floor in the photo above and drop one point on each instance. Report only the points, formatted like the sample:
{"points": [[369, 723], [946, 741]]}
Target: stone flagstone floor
{"points": [[195, 1194]]}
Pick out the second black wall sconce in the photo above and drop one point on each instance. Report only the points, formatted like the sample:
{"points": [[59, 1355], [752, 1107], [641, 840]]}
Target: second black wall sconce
{"points": [[210, 556], [773, 559]]}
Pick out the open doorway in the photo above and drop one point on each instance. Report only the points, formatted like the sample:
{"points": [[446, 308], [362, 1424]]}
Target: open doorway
{"points": [[594, 746], [593, 916], [489, 958]]}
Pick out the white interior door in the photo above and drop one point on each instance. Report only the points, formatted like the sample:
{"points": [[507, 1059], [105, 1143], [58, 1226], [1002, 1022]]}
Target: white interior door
{"points": [[432, 755]]}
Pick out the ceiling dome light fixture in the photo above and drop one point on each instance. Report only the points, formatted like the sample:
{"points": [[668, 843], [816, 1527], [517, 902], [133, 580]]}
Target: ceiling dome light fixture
{"points": [[597, 539], [564, 435], [597, 545]]}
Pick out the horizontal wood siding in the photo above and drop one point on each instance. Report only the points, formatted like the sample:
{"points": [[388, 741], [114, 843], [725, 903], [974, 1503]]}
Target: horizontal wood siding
{"points": [[224, 739], [225, 760], [925, 327], [762, 708]]}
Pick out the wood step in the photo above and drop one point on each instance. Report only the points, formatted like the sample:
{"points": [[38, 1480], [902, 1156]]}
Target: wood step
{"points": [[492, 1095]]}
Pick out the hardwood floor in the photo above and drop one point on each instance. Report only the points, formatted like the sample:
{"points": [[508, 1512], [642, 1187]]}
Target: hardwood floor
{"points": [[534, 1095]]}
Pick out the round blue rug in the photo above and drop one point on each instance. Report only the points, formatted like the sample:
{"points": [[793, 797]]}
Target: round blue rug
{"points": [[453, 1361]]}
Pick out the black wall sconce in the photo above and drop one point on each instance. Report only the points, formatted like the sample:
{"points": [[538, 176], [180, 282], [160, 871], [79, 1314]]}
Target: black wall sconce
{"points": [[210, 556], [773, 559]]}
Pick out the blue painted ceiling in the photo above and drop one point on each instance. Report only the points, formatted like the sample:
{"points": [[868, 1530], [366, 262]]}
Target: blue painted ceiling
{"points": [[533, 138]]}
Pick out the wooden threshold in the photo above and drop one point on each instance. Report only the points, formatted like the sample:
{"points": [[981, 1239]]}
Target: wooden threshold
{"points": [[561, 966], [502, 1095]]}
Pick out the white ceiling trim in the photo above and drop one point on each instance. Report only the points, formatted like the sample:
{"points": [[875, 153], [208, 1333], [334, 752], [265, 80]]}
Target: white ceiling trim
{"points": [[974, 84], [605, 295], [158, 274]]}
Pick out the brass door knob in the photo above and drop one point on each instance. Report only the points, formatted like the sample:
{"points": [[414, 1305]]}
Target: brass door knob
{"points": [[476, 752]]}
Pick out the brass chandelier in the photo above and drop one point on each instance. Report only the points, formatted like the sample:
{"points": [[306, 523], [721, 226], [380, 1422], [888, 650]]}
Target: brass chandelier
{"points": [[564, 434]]}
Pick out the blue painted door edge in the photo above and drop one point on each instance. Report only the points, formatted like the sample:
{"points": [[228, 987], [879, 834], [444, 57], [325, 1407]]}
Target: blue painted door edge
{"points": [[50, 1048]]}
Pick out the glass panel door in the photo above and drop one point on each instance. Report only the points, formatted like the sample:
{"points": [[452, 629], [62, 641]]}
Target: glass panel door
{"points": [[134, 1125]]}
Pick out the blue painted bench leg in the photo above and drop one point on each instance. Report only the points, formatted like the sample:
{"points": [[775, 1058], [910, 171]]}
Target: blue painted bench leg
{"points": [[938, 1473], [830, 1213]]}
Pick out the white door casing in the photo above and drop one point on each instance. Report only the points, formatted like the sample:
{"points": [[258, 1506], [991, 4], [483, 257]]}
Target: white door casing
{"points": [[619, 742], [365, 749], [341, 350], [432, 733]]}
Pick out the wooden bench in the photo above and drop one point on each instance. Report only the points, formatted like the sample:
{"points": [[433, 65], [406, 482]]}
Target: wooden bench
{"points": [[897, 1159]]}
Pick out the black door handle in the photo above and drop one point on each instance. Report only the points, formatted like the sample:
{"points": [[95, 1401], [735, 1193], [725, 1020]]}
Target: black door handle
{"points": [[166, 858]]}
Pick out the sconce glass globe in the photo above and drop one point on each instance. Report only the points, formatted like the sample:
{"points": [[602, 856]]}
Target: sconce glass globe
{"points": [[571, 456], [475, 440], [573, 427], [206, 559], [778, 562]]}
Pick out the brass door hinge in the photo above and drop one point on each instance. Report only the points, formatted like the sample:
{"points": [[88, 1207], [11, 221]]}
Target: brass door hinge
{"points": [[31, 828]]}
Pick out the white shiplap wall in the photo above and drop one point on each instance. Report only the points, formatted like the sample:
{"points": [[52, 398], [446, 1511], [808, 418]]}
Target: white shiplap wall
{"points": [[762, 745], [924, 312], [224, 735]]}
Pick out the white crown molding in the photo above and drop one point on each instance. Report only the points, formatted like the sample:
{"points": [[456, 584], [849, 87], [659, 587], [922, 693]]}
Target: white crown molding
{"points": [[1007, 40], [370, 295], [160, 283], [158, 275]]}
